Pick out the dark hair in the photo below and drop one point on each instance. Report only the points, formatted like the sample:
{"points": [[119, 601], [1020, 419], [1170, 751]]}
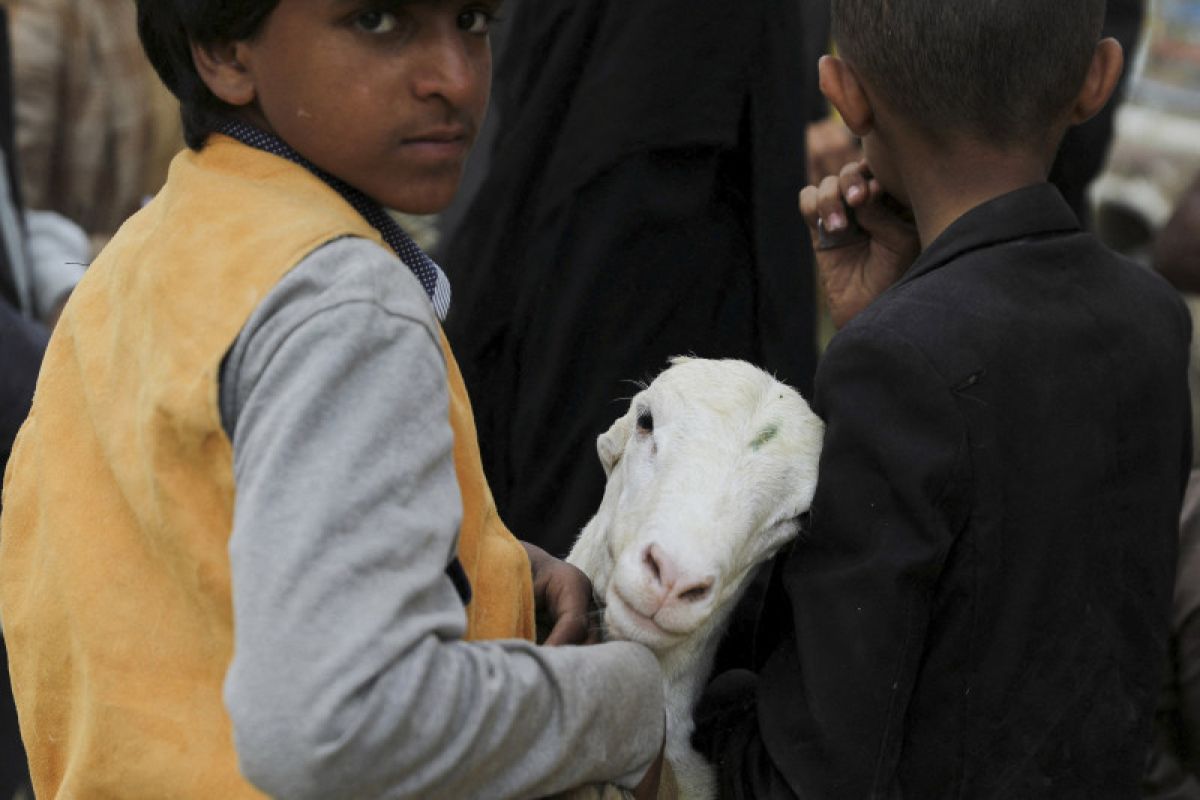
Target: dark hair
{"points": [[1002, 70], [169, 27]]}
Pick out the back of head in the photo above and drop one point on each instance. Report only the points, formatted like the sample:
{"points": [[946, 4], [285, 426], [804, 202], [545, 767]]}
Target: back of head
{"points": [[1000, 70], [168, 28]]}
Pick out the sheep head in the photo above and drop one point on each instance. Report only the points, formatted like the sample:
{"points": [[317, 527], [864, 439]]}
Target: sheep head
{"points": [[708, 473]]}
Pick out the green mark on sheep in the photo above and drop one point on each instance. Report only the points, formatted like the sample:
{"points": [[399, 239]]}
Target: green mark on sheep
{"points": [[768, 433]]}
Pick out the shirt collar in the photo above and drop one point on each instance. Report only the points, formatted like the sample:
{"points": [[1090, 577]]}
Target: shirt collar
{"points": [[1035, 210], [432, 279]]}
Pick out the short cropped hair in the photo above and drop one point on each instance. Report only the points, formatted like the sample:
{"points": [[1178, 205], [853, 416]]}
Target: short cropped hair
{"points": [[1002, 70], [169, 27]]}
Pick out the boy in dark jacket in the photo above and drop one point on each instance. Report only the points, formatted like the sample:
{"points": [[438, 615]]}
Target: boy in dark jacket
{"points": [[981, 607]]}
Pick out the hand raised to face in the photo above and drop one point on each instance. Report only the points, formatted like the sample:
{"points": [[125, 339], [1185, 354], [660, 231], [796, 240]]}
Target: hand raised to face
{"points": [[863, 241]]}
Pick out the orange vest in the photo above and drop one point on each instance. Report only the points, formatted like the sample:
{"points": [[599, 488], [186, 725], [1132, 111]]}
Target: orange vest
{"points": [[118, 504]]}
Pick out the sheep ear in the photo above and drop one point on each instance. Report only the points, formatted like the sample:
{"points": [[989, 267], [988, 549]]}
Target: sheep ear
{"points": [[611, 444]]}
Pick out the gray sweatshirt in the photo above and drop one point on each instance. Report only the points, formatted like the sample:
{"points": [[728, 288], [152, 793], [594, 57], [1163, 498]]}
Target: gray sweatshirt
{"points": [[350, 677]]}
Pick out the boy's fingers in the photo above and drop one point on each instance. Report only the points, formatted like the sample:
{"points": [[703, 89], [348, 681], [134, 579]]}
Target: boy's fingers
{"points": [[831, 206], [853, 184], [808, 206], [568, 629]]}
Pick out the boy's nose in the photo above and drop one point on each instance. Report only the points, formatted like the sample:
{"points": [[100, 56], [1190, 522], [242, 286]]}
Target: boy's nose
{"points": [[451, 70]]}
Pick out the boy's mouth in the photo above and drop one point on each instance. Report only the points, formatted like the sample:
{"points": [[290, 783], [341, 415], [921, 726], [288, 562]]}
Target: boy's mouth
{"points": [[444, 142]]}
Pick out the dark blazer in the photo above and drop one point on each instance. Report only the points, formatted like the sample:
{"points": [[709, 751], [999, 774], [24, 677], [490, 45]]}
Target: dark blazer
{"points": [[980, 609]]}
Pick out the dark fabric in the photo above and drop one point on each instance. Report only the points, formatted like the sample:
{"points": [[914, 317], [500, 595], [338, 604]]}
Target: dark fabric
{"points": [[14, 766], [1174, 769], [8, 148], [8, 126], [980, 609], [1085, 147], [817, 42], [641, 203], [22, 343]]}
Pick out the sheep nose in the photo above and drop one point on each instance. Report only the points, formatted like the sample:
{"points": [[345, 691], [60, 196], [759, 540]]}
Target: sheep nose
{"points": [[673, 584]]}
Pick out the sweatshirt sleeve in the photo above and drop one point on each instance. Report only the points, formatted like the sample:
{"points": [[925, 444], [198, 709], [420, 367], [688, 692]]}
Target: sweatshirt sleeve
{"points": [[350, 677]]}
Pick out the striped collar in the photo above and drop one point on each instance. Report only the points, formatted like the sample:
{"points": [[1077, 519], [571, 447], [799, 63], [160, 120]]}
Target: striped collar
{"points": [[432, 279]]}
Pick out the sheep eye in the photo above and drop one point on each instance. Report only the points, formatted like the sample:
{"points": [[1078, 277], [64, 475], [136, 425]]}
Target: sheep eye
{"points": [[645, 421]]}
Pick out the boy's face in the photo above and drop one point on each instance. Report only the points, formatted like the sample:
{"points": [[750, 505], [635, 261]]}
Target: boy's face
{"points": [[387, 95]]}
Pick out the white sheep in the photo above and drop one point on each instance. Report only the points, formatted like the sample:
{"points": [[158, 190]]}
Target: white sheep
{"points": [[708, 473]]}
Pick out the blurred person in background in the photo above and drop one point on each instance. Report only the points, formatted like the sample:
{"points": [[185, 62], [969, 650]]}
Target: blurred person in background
{"points": [[1177, 247], [640, 203], [95, 127], [1174, 769], [1173, 772], [1085, 147], [42, 257]]}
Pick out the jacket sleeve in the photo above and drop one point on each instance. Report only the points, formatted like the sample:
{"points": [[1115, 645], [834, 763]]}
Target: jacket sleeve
{"points": [[350, 677], [825, 716]]}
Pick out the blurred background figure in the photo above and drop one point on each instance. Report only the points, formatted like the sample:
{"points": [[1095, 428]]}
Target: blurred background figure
{"points": [[1154, 158], [1156, 140], [95, 127], [22, 342], [639, 202], [1177, 246], [1146, 203], [43, 254], [1085, 147], [1174, 768]]}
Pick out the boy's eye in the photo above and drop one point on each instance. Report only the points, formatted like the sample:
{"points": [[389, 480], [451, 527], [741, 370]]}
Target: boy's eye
{"points": [[475, 21], [376, 21]]}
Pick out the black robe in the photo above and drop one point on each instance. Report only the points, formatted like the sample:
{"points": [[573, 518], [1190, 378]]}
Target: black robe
{"points": [[640, 203]]}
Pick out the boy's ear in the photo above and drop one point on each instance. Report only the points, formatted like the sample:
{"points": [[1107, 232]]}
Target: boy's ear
{"points": [[222, 69], [1108, 61], [843, 89]]}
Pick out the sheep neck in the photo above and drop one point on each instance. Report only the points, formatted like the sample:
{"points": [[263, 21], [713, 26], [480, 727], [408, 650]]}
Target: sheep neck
{"points": [[686, 669]]}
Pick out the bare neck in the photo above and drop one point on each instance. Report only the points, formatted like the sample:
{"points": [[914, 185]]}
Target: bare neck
{"points": [[964, 175]]}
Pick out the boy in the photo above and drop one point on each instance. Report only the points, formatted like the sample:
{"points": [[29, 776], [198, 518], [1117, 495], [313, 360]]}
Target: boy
{"points": [[250, 331], [980, 609]]}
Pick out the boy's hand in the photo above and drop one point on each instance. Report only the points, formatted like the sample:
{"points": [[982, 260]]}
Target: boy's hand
{"points": [[563, 595], [860, 252]]}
